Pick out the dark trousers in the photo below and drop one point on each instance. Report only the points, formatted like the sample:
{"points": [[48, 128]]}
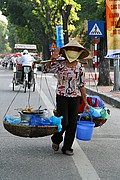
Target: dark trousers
{"points": [[68, 108], [29, 74]]}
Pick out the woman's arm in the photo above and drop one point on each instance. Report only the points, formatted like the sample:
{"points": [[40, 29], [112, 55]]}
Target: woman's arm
{"points": [[83, 94]]}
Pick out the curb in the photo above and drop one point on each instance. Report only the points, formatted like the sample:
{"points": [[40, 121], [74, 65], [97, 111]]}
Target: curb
{"points": [[113, 101]]}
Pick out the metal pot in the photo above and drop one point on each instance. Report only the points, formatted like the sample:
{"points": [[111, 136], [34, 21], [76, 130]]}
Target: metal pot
{"points": [[37, 112], [24, 117]]}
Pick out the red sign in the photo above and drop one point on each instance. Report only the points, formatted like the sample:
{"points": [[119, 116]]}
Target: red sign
{"points": [[118, 24], [53, 47]]}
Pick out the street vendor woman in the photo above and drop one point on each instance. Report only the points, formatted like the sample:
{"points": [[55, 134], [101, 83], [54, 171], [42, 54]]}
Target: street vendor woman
{"points": [[70, 86]]}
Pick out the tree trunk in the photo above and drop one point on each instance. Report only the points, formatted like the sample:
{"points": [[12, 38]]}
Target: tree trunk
{"points": [[104, 64], [104, 72], [65, 29], [65, 15], [45, 49]]}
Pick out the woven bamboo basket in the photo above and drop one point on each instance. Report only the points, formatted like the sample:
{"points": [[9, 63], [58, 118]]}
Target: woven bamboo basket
{"points": [[99, 121], [29, 131]]}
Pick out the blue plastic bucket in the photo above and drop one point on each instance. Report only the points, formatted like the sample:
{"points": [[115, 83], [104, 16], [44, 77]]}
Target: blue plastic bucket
{"points": [[84, 130]]}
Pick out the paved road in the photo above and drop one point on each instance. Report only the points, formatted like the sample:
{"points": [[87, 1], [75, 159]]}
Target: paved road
{"points": [[34, 159]]}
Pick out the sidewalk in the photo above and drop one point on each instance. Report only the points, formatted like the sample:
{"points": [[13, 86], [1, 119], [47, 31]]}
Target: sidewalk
{"points": [[105, 92]]}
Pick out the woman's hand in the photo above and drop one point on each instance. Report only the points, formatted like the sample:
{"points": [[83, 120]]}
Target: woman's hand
{"points": [[87, 107]]}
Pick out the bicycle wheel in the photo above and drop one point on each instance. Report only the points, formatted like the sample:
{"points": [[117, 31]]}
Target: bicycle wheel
{"points": [[13, 82]]}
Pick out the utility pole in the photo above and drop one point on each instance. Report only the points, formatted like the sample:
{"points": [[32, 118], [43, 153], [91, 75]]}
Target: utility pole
{"points": [[116, 75]]}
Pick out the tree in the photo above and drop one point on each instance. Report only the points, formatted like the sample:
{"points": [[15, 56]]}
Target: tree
{"points": [[68, 11], [41, 18], [96, 11], [3, 37], [24, 17], [38, 19], [104, 65]]}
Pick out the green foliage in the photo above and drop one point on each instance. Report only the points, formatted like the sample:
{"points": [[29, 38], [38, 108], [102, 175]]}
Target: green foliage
{"points": [[90, 10], [36, 20], [3, 37], [3, 29], [101, 9]]}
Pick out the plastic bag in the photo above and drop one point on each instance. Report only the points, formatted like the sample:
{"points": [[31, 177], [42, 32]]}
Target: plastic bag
{"points": [[57, 121], [95, 112], [39, 121], [105, 113], [12, 119], [96, 100]]}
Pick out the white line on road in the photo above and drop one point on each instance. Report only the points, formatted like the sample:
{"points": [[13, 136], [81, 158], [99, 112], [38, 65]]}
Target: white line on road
{"points": [[44, 75], [48, 105], [85, 168], [11, 85]]}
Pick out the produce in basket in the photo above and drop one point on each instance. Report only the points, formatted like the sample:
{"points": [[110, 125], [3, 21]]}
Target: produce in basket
{"points": [[98, 115], [99, 121], [30, 109]]}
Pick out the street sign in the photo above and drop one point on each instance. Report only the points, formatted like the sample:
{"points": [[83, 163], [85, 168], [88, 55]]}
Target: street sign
{"points": [[96, 28], [25, 46], [59, 36], [53, 46], [113, 56]]}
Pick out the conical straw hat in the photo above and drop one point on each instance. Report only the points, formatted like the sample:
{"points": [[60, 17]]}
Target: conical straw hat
{"points": [[74, 43]]}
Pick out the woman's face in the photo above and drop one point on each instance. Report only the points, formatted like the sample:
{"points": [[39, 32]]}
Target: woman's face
{"points": [[72, 53]]}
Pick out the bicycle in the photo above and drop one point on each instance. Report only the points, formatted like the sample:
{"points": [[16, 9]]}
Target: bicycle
{"points": [[29, 78], [17, 76]]}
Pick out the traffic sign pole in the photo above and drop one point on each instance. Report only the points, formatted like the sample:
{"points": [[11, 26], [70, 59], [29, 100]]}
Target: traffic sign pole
{"points": [[95, 29], [95, 56]]}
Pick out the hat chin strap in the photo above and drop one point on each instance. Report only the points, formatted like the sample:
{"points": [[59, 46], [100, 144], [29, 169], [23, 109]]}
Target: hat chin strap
{"points": [[72, 55]]}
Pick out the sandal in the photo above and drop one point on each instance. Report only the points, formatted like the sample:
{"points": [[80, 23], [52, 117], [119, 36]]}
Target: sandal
{"points": [[55, 146], [68, 152]]}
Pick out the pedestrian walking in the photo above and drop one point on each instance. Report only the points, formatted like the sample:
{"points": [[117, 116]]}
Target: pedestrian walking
{"points": [[70, 86]]}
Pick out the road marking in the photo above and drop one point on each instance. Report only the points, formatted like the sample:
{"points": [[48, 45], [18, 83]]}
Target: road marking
{"points": [[53, 86], [10, 85], [85, 168], [48, 105], [48, 76]]}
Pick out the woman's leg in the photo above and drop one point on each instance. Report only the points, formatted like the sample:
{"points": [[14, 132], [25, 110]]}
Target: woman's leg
{"points": [[72, 118], [22, 77], [62, 110], [30, 75]]}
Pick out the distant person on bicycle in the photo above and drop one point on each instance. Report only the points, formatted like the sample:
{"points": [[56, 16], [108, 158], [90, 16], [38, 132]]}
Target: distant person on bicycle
{"points": [[27, 61]]}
